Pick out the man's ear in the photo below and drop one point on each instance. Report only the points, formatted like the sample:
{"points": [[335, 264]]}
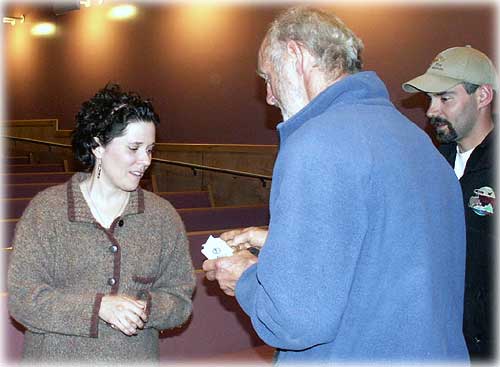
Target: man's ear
{"points": [[300, 55], [484, 95]]}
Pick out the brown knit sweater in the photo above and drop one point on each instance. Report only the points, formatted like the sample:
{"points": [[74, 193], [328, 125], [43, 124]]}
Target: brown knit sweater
{"points": [[64, 262]]}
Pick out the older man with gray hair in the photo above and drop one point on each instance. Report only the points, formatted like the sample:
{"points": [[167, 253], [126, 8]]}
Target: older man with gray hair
{"points": [[359, 263]]}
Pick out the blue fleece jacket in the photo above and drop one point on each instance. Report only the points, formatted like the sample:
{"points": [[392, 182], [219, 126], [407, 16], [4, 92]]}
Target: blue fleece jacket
{"points": [[365, 254]]}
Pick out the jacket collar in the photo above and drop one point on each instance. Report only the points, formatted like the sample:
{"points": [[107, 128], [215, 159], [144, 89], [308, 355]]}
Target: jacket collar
{"points": [[78, 209], [480, 157], [362, 87], [488, 140]]}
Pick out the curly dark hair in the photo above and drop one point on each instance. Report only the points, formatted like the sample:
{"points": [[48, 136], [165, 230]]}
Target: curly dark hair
{"points": [[106, 116]]}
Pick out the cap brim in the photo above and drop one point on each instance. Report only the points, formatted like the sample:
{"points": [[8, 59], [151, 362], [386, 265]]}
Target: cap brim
{"points": [[430, 83]]}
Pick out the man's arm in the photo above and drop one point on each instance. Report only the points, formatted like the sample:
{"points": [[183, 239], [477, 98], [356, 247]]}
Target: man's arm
{"points": [[305, 271]]}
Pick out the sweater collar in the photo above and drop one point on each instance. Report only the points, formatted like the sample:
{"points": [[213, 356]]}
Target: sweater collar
{"points": [[78, 209]]}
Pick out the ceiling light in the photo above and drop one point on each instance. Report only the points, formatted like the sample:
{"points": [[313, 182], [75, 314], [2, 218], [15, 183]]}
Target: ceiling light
{"points": [[43, 29], [122, 12]]}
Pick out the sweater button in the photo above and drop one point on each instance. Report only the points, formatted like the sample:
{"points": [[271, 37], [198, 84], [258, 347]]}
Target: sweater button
{"points": [[113, 248], [120, 223], [111, 281]]}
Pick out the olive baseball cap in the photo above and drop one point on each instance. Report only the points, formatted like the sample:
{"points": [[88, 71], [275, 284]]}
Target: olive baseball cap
{"points": [[452, 67]]}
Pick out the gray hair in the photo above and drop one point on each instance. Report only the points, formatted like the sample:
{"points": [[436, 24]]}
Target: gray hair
{"points": [[336, 48]]}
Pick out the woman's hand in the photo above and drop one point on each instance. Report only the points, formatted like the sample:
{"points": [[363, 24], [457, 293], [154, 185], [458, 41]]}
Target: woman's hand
{"points": [[123, 313]]}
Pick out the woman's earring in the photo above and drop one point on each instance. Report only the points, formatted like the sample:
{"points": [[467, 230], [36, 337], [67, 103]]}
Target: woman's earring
{"points": [[99, 167]]}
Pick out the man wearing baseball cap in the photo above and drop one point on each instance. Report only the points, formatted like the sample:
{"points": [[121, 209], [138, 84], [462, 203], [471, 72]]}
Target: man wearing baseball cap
{"points": [[461, 83]]}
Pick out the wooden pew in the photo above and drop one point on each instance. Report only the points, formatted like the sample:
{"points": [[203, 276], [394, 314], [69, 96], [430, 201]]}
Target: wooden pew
{"points": [[53, 177], [204, 219], [32, 177], [29, 190], [197, 219], [26, 190], [41, 167], [15, 206], [17, 160], [188, 199], [196, 240], [7, 228]]}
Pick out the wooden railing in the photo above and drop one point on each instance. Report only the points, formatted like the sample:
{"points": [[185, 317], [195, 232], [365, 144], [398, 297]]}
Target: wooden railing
{"points": [[193, 166]]}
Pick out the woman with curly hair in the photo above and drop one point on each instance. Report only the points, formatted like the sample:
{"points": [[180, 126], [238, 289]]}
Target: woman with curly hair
{"points": [[100, 265]]}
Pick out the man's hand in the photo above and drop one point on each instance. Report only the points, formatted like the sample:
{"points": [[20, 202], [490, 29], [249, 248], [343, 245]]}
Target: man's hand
{"points": [[123, 313], [244, 238], [227, 270]]}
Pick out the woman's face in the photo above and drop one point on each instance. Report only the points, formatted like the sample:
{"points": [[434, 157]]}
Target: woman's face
{"points": [[127, 157]]}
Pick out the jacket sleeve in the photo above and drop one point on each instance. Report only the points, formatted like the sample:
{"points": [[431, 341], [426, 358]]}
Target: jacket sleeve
{"points": [[169, 299], [33, 298], [297, 292]]}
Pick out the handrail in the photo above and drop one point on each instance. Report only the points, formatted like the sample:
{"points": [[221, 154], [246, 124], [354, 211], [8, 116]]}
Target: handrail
{"points": [[29, 140], [193, 166]]}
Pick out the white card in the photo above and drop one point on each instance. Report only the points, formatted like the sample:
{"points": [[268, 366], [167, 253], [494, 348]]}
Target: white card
{"points": [[215, 248]]}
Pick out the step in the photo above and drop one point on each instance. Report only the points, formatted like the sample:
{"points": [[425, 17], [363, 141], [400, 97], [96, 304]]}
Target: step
{"points": [[26, 190], [8, 226], [14, 207], [203, 219], [198, 219], [56, 177], [188, 199], [29, 190], [42, 167], [196, 240], [17, 160], [35, 177]]}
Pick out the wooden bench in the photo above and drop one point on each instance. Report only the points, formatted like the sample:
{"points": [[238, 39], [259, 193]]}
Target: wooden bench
{"points": [[15, 206], [196, 240], [188, 199], [26, 190], [204, 219], [21, 159], [35, 177], [41, 167], [197, 219]]}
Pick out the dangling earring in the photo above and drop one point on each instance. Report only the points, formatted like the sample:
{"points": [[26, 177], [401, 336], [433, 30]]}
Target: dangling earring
{"points": [[99, 167]]}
